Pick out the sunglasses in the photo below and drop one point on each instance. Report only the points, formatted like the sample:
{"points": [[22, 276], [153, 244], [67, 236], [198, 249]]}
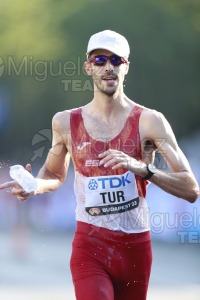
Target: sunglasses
{"points": [[101, 60]]}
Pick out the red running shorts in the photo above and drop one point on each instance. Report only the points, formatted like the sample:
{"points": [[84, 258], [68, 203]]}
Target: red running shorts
{"points": [[110, 265]]}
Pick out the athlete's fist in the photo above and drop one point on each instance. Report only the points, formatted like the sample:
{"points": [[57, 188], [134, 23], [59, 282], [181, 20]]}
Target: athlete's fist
{"points": [[118, 159]]}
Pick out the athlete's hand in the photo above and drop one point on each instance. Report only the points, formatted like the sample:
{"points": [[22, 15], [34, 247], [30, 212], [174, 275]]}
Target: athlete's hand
{"points": [[118, 159], [17, 190]]}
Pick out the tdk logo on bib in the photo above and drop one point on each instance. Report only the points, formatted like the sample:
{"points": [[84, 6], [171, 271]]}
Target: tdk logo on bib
{"points": [[109, 182], [111, 194], [92, 185], [114, 182]]}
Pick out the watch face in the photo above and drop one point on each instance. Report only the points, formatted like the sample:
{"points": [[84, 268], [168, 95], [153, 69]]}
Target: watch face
{"points": [[152, 168]]}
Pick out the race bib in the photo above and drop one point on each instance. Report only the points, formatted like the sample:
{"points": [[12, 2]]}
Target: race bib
{"points": [[111, 194]]}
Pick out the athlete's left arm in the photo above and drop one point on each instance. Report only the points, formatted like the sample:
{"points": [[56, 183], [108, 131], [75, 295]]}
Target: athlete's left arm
{"points": [[179, 180], [155, 129]]}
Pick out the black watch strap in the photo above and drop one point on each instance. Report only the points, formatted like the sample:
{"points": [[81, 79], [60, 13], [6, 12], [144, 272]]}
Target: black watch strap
{"points": [[149, 174]]}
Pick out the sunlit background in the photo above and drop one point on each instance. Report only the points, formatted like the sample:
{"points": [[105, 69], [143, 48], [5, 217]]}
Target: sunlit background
{"points": [[42, 50]]}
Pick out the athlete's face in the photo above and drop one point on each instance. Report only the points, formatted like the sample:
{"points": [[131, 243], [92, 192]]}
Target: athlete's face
{"points": [[108, 76]]}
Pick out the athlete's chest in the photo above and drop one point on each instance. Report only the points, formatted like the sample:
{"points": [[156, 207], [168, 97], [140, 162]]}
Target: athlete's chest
{"points": [[90, 137], [100, 130]]}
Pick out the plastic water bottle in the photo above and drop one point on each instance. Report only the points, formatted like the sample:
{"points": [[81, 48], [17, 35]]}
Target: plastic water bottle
{"points": [[24, 178]]}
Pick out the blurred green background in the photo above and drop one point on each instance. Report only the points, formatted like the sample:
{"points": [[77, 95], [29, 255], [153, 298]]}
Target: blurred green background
{"points": [[42, 50]]}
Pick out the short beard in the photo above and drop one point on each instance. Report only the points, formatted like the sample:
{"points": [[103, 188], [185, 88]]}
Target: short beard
{"points": [[105, 91], [108, 93]]}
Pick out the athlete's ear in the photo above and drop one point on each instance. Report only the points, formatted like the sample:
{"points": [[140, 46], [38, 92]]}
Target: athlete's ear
{"points": [[88, 68]]}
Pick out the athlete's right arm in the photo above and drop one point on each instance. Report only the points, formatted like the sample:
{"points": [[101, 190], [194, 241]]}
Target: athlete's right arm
{"points": [[55, 168]]}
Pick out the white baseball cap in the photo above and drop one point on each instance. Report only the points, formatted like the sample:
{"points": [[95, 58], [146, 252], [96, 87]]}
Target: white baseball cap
{"points": [[111, 41]]}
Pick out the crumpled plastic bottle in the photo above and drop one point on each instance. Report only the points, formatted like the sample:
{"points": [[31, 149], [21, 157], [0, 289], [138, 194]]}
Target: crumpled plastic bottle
{"points": [[24, 178]]}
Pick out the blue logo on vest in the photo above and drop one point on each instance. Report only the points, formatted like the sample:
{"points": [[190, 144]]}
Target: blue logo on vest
{"points": [[92, 185]]}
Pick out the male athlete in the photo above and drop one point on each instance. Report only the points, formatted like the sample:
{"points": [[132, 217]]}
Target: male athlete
{"points": [[112, 142]]}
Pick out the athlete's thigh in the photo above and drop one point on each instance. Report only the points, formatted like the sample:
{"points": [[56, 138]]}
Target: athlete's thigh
{"points": [[132, 282], [95, 287]]}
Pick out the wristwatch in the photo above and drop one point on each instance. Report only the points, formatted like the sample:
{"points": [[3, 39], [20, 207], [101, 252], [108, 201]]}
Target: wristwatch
{"points": [[151, 171]]}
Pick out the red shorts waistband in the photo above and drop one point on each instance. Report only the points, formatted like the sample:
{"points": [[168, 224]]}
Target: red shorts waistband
{"points": [[114, 235]]}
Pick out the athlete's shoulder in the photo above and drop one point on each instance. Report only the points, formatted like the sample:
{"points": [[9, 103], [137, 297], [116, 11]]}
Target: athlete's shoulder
{"points": [[149, 114], [65, 113], [61, 120], [153, 122], [145, 111]]}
